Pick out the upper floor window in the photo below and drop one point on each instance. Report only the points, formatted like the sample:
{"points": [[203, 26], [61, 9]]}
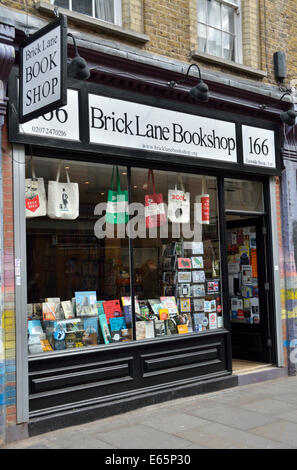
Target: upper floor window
{"points": [[219, 28], [107, 10]]}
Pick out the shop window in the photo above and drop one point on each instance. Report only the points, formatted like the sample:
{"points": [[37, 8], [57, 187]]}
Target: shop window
{"points": [[219, 28], [107, 10], [244, 195], [80, 242], [70, 269], [177, 272]]}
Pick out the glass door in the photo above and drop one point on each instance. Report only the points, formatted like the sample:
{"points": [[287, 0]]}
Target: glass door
{"points": [[247, 280]]}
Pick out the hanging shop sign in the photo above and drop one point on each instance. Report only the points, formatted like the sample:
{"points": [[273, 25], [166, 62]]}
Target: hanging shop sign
{"points": [[61, 123], [43, 71], [137, 126], [258, 147]]}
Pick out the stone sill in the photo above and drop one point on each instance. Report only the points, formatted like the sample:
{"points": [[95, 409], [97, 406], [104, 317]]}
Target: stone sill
{"points": [[95, 24], [228, 64]]}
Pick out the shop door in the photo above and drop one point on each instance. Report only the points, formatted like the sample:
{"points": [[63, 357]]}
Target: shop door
{"points": [[248, 289]]}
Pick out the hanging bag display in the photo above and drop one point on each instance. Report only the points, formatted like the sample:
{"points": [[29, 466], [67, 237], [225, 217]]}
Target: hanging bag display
{"points": [[35, 197], [117, 202], [203, 214], [63, 198], [178, 204], [155, 213]]}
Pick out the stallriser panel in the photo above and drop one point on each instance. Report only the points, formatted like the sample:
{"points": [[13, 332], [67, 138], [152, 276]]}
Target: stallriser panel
{"points": [[67, 381]]}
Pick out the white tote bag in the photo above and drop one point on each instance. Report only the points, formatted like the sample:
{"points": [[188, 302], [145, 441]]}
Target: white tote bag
{"points": [[178, 205], [35, 197], [63, 198]]}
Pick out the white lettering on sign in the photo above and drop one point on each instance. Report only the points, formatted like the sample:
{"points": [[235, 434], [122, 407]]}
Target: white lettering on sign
{"points": [[62, 123], [41, 74], [258, 146], [132, 125]]}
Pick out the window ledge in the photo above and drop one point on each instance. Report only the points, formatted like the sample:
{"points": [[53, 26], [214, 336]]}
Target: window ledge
{"points": [[228, 64], [94, 23]]}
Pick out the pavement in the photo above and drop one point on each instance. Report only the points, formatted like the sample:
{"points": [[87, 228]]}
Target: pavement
{"points": [[261, 415]]}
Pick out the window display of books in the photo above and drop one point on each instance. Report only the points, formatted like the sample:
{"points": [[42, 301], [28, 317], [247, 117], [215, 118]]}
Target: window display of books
{"points": [[191, 302]]}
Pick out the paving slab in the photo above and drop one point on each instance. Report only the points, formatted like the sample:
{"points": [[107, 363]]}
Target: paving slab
{"points": [[281, 431], [143, 437], [269, 406], [218, 436], [235, 417], [172, 422]]}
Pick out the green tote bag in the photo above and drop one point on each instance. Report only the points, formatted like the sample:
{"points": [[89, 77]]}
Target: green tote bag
{"points": [[117, 202]]}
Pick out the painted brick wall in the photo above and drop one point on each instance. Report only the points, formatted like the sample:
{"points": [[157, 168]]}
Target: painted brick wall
{"points": [[7, 338], [289, 259], [281, 268]]}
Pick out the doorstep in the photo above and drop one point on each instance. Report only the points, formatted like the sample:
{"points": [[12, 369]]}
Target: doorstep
{"points": [[252, 372]]}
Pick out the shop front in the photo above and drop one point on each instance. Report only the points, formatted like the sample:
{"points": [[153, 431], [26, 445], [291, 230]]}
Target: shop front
{"points": [[143, 251]]}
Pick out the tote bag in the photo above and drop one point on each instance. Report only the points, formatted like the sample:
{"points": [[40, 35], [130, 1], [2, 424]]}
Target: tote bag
{"points": [[155, 213], [35, 197], [117, 202], [63, 198], [178, 205]]}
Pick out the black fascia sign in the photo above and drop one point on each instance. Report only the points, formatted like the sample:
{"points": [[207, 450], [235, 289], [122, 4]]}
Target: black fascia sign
{"points": [[43, 71]]}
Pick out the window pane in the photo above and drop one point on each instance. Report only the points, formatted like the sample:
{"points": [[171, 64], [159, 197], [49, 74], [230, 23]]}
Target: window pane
{"points": [[82, 6], [202, 37], [214, 45], [77, 274], [202, 9], [244, 195], [62, 3], [104, 9], [228, 46], [177, 266], [214, 14], [227, 19]]}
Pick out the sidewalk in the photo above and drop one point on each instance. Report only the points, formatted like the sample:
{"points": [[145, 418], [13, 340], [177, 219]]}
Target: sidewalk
{"points": [[256, 416]]}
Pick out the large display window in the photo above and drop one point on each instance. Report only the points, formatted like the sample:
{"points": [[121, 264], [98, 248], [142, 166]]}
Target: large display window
{"points": [[88, 224]]}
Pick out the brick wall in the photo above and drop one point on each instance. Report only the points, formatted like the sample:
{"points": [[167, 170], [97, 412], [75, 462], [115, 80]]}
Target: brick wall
{"points": [[267, 26]]}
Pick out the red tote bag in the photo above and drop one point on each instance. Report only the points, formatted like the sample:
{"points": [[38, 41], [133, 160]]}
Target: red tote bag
{"points": [[155, 213]]}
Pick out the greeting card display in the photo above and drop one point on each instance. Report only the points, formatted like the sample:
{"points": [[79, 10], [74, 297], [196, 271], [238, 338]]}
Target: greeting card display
{"points": [[197, 262], [184, 263], [185, 290], [198, 276], [212, 287], [198, 305], [184, 276], [198, 290], [185, 305]]}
